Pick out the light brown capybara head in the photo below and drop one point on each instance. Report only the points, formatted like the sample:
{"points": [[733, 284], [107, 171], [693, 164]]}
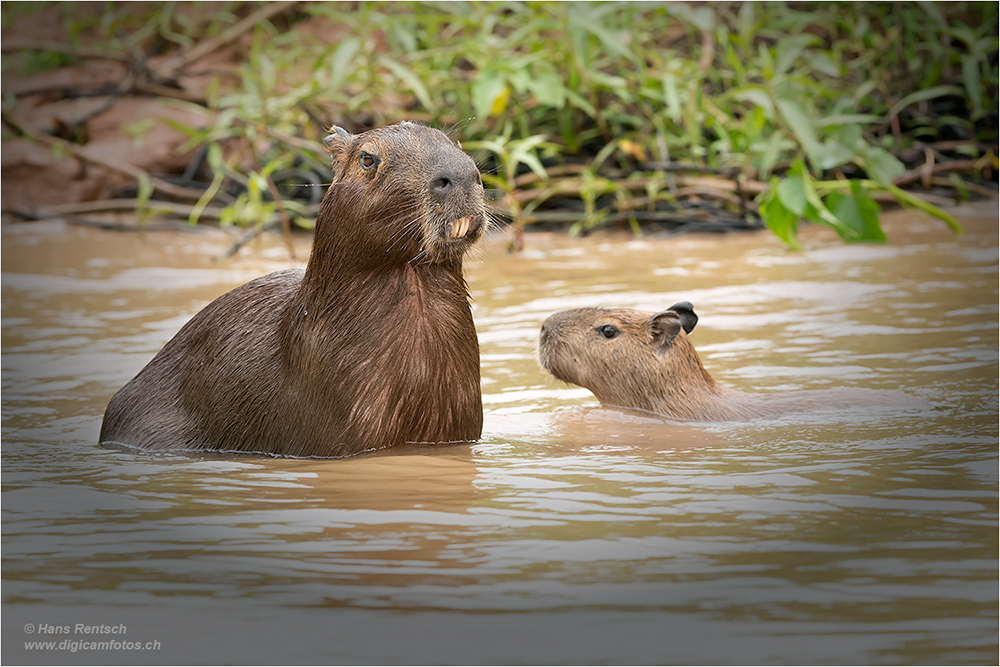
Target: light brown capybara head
{"points": [[627, 358], [406, 190]]}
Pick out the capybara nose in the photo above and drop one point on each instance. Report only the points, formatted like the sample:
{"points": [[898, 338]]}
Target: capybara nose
{"points": [[451, 177]]}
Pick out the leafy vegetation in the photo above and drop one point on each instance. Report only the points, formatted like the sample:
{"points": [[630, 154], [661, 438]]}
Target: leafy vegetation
{"points": [[592, 113]]}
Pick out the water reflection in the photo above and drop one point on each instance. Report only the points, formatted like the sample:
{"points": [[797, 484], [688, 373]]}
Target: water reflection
{"points": [[574, 533]]}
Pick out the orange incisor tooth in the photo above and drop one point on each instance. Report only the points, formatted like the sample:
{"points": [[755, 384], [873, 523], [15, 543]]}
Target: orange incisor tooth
{"points": [[460, 227]]}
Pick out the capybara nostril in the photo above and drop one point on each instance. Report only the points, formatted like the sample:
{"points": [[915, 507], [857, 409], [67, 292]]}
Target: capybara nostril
{"points": [[442, 184]]}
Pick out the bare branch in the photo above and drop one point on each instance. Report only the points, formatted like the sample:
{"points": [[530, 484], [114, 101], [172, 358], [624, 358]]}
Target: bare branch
{"points": [[15, 44], [81, 153], [172, 67]]}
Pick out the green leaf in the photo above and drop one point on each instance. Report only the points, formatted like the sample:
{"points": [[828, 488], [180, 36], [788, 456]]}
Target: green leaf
{"points": [[789, 49], [848, 119], [214, 157], [274, 165], [746, 21], [203, 201], [754, 122], [769, 151], [494, 146], [405, 37], [792, 194], [142, 197], [870, 212], [580, 102], [139, 129], [858, 212], [959, 185], [758, 96], [487, 88], [831, 154], [973, 84], [548, 89], [799, 123], [908, 198], [847, 135], [611, 41], [702, 18], [779, 219], [521, 79], [410, 79], [934, 12], [815, 209], [863, 90], [822, 62], [534, 164], [921, 95], [267, 73], [604, 154], [341, 61], [881, 165], [672, 97]]}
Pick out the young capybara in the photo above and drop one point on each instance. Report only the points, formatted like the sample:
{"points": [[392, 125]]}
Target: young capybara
{"points": [[645, 361], [372, 345]]}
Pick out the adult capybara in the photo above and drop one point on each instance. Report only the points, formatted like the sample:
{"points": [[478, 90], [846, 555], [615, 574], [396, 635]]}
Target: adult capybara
{"points": [[645, 361], [373, 345]]}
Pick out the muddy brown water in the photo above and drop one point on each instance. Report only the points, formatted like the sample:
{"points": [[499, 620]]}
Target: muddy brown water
{"points": [[570, 533]]}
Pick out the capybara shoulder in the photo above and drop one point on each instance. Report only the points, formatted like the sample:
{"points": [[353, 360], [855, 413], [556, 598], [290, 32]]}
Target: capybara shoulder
{"points": [[373, 345], [645, 361]]}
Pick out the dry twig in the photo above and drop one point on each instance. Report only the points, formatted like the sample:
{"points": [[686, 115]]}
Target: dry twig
{"points": [[10, 45], [82, 153], [173, 67]]}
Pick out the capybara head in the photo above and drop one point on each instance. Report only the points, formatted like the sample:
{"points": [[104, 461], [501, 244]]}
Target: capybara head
{"points": [[406, 191], [628, 358]]}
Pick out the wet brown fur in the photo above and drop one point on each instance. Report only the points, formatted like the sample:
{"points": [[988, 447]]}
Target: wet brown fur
{"points": [[652, 366], [372, 346]]}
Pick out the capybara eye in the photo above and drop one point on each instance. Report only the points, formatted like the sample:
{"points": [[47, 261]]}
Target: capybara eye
{"points": [[367, 160], [608, 331]]}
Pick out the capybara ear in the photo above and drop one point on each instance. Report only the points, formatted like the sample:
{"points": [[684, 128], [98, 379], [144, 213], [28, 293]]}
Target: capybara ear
{"points": [[337, 141], [685, 311], [337, 135], [664, 326], [336, 144]]}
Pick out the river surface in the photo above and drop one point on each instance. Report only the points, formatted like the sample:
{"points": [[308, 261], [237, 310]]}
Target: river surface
{"points": [[571, 533]]}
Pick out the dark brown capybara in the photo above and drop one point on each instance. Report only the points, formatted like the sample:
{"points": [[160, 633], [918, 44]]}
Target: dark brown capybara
{"points": [[645, 361], [372, 346]]}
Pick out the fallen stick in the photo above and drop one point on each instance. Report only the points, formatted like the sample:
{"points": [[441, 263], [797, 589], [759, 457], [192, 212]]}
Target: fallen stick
{"points": [[575, 186], [82, 153], [163, 226], [15, 44], [172, 67], [286, 222], [914, 175], [971, 187], [248, 236], [573, 169], [118, 226], [110, 205]]}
